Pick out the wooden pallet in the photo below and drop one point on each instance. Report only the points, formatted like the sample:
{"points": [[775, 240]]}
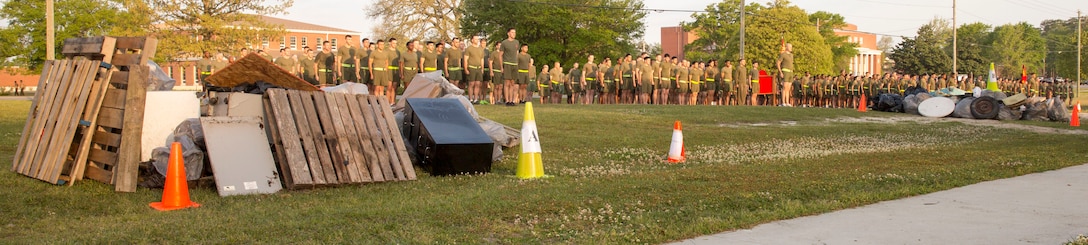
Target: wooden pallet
{"points": [[79, 116], [324, 139], [53, 120]]}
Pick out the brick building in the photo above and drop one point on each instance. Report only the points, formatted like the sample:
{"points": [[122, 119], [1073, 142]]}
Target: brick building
{"points": [[673, 40], [298, 35]]}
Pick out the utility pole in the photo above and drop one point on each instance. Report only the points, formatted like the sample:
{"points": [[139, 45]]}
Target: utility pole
{"points": [[50, 42], [1079, 34], [742, 29], [955, 51]]}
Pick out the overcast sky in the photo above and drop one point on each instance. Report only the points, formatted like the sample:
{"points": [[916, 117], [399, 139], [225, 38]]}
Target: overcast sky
{"points": [[889, 17]]}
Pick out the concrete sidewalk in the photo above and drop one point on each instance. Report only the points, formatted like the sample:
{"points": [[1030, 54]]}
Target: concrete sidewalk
{"points": [[1042, 208]]}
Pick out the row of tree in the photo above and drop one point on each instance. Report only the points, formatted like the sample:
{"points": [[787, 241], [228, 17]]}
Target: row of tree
{"points": [[1049, 50]]}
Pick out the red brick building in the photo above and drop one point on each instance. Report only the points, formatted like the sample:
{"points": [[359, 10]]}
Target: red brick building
{"points": [[298, 35], [673, 40]]}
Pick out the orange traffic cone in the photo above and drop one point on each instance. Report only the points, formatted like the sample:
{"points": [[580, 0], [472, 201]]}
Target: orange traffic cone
{"points": [[175, 193], [864, 105], [676, 150], [1075, 119]]}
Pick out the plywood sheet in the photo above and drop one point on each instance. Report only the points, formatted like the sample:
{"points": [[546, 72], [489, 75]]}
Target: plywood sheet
{"points": [[240, 157]]}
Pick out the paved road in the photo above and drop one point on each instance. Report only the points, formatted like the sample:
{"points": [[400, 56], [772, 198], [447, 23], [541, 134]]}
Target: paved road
{"points": [[16, 97], [1041, 208]]}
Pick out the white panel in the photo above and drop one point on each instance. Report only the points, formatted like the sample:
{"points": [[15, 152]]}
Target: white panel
{"points": [[163, 112], [240, 156]]}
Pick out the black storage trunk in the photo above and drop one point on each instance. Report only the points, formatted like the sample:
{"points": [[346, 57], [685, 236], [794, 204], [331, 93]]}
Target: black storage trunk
{"points": [[447, 139]]}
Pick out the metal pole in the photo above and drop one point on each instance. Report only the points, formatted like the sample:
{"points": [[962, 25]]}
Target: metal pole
{"points": [[955, 51], [1079, 34], [50, 43], [742, 29]]}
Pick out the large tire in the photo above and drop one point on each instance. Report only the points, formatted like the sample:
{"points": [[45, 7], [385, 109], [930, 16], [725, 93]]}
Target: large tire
{"points": [[985, 108]]}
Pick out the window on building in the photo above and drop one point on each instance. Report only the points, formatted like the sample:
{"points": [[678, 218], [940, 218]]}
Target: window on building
{"points": [[283, 42], [317, 46], [183, 76], [294, 43], [333, 42], [304, 42], [264, 42]]}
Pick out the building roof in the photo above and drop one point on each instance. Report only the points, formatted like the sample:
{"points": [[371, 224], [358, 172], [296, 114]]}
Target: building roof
{"points": [[302, 26]]}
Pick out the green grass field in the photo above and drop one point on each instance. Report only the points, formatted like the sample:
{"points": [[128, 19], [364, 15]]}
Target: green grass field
{"points": [[609, 184]]}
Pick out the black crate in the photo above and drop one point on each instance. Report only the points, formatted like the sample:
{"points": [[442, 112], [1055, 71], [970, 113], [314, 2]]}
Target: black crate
{"points": [[447, 139]]}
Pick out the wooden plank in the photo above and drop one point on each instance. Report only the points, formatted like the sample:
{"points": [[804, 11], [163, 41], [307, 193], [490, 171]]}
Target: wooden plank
{"points": [[70, 126], [126, 59], [88, 45], [101, 156], [51, 135], [277, 144], [145, 45], [331, 141], [126, 171], [64, 128], [387, 141], [363, 132], [336, 146], [43, 116], [119, 77], [375, 136], [125, 43], [97, 171], [343, 144], [323, 153], [307, 138], [358, 163], [398, 140], [292, 148], [31, 114], [100, 88], [114, 98], [111, 117], [106, 138]]}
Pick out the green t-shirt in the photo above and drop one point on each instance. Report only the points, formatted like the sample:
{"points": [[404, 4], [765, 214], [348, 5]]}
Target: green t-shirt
{"points": [[430, 59], [509, 49], [347, 54], [454, 56], [475, 56]]}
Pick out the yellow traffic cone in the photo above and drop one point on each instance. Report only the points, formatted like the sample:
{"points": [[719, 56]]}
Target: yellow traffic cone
{"points": [[530, 165], [991, 81]]}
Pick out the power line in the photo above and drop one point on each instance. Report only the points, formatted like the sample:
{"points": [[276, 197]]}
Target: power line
{"points": [[906, 4]]}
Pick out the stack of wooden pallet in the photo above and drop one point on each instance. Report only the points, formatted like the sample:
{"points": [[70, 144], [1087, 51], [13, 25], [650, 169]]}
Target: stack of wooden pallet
{"points": [[87, 118], [323, 139]]}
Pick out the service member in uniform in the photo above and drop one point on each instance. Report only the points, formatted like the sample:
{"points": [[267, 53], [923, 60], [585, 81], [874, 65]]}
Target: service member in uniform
{"points": [[363, 56], [346, 57], [410, 63], [429, 57], [695, 82], [394, 68], [744, 84], [508, 56], [543, 84], [523, 58], [498, 88], [380, 74], [754, 76], [204, 65], [558, 83], [574, 81], [453, 60], [711, 86], [326, 63], [661, 90], [590, 77], [474, 59], [309, 68], [785, 71], [683, 86], [646, 81], [284, 61], [726, 85]]}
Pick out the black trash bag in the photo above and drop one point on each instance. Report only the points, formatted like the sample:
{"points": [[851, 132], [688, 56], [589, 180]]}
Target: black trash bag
{"points": [[1056, 110], [191, 154], [889, 103], [916, 90], [1035, 111], [995, 95], [1009, 114], [963, 108], [192, 129]]}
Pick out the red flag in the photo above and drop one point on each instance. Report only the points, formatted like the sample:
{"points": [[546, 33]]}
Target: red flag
{"points": [[1024, 74]]}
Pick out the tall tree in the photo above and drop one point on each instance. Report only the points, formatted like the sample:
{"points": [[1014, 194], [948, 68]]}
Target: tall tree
{"points": [[1016, 45], [925, 54], [841, 50], [971, 38], [23, 36], [1061, 44], [766, 27], [886, 44], [416, 19], [187, 28], [561, 30]]}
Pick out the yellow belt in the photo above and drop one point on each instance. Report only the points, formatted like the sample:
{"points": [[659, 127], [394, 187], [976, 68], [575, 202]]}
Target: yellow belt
{"points": [[626, 75], [755, 81], [410, 68], [682, 81], [509, 63], [455, 68], [205, 73], [379, 69], [787, 70], [473, 67], [364, 68], [347, 65], [523, 71], [710, 80], [591, 79], [324, 70], [430, 68], [394, 68]]}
